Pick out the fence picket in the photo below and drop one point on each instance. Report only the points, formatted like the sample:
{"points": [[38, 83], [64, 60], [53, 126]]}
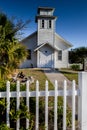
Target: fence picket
{"points": [[46, 105], [18, 103], [82, 101], [64, 106], [37, 105], [55, 105], [27, 102], [8, 103], [73, 105]]}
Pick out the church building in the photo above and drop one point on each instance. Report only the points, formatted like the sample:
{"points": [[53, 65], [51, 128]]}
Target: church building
{"points": [[46, 48]]}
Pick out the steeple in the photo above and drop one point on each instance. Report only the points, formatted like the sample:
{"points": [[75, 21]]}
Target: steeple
{"points": [[46, 24], [45, 12]]}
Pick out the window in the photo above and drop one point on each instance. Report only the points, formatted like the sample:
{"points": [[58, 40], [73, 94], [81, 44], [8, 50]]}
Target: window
{"points": [[45, 51], [29, 54], [49, 23], [42, 23], [59, 55]]}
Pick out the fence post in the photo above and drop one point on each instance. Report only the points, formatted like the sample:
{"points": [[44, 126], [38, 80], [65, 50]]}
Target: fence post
{"points": [[55, 104], [8, 103], [46, 105], [82, 101], [37, 105], [64, 105], [18, 103], [27, 102]]}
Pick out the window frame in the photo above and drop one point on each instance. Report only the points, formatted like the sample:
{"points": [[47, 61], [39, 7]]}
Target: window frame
{"points": [[29, 54], [60, 55], [50, 24], [42, 23]]}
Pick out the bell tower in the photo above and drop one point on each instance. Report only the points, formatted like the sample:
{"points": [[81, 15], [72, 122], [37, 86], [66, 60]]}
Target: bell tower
{"points": [[46, 25]]}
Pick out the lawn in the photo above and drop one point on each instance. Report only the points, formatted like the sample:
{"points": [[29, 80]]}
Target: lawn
{"points": [[71, 75], [39, 75]]}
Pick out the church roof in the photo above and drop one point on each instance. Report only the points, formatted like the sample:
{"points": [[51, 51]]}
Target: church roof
{"points": [[67, 43], [29, 36], [46, 43], [45, 8]]}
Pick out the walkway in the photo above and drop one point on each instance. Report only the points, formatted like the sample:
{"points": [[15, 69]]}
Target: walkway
{"points": [[53, 75]]}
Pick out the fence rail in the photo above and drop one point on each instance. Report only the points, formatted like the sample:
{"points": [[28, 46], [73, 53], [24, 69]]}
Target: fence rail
{"points": [[73, 92]]}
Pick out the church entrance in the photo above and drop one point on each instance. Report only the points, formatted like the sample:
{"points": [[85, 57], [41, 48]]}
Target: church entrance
{"points": [[46, 57]]}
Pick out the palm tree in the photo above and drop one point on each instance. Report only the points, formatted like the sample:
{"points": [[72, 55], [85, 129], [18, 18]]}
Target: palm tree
{"points": [[12, 53]]}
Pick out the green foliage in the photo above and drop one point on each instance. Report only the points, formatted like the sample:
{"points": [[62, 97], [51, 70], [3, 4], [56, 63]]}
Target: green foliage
{"points": [[69, 118], [71, 76], [21, 113], [4, 127], [12, 52], [3, 106], [75, 67], [78, 55]]}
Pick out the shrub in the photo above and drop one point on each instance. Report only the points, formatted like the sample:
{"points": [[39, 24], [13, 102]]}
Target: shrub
{"points": [[4, 127], [75, 67]]}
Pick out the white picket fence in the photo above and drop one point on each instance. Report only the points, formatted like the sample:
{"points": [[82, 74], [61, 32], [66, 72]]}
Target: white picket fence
{"points": [[81, 92]]}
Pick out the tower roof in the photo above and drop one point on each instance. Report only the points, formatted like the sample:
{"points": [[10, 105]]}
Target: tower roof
{"points": [[50, 16], [45, 8]]}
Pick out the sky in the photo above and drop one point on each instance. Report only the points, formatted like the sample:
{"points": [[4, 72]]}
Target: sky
{"points": [[71, 15]]}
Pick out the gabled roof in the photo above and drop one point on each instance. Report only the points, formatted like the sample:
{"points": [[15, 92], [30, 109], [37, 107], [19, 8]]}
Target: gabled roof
{"points": [[29, 36], [68, 44], [41, 45]]}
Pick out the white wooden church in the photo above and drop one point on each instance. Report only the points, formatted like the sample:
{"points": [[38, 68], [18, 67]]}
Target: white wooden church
{"points": [[46, 48]]}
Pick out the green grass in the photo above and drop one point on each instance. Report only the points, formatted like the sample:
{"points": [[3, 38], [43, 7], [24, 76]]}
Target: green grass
{"points": [[71, 75], [39, 75]]}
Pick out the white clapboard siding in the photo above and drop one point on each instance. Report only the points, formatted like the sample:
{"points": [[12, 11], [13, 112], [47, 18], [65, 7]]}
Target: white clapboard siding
{"points": [[72, 92]]}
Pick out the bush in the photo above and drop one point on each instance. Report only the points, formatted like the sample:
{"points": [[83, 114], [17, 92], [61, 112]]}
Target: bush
{"points": [[4, 127], [75, 67]]}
